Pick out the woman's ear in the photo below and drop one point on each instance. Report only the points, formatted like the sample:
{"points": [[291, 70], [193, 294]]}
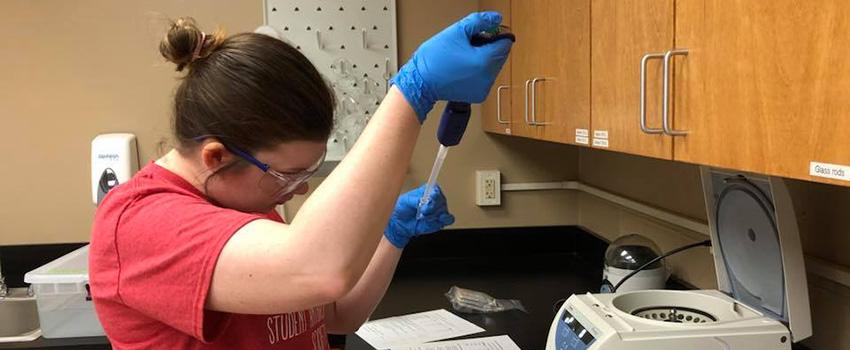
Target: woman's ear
{"points": [[214, 155]]}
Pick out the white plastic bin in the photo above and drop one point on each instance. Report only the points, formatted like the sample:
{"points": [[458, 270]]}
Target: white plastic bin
{"points": [[65, 309]]}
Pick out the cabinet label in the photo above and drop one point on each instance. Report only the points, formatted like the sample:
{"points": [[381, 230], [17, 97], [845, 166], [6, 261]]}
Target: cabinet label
{"points": [[600, 143], [582, 133], [583, 140], [830, 171], [600, 134]]}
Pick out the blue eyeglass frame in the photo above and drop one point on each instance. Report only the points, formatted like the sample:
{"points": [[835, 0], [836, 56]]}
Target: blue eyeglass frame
{"points": [[288, 179], [247, 156]]}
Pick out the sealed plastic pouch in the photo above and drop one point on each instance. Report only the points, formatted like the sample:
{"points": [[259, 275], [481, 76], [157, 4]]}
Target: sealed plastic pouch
{"points": [[471, 301]]}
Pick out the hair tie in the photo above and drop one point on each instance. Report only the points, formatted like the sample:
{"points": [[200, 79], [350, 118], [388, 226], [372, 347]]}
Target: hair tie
{"points": [[200, 45]]}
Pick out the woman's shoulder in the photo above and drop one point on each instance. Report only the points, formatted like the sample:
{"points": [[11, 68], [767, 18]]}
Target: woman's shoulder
{"points": [[150, 196], [152, 180]]}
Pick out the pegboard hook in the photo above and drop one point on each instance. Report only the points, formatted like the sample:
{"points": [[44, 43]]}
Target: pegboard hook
{"points": [[387, 72], [387, 75], [319, 40]]}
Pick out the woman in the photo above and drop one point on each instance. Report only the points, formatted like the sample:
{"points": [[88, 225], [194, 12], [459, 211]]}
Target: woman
{"points": [[190, 254]]}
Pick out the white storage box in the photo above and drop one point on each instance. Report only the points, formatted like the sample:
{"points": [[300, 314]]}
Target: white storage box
{"points": [[65, 309]]}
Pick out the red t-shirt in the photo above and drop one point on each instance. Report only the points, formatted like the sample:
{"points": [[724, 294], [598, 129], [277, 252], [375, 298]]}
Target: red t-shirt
{"points": [[155, 243]]}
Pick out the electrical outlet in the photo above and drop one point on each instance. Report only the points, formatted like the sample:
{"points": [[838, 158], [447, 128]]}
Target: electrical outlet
{"points": [[488, 188]]}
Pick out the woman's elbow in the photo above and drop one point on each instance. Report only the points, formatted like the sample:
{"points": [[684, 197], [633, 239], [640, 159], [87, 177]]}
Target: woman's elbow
{"points": [[335, 286]]}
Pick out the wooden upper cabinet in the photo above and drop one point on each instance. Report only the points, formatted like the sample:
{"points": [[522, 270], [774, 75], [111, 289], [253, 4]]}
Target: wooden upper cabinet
{"points": [[623, 31], [524, 59], [496, 113], [765, 86], [550, 68]]}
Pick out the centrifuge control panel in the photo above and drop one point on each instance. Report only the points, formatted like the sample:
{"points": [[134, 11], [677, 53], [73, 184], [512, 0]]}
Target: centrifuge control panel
{"points": [[571, 334]]}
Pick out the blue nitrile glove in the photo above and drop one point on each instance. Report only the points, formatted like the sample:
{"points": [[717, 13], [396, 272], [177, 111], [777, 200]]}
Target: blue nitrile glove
{"points": [[448, 67], [403, 224]]}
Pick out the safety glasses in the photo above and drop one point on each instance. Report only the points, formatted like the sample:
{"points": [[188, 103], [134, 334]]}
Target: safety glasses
{"points": [[275, 182]]}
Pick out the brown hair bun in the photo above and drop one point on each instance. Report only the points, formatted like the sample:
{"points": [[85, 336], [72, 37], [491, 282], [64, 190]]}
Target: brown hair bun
{"points": [[184, 39]]}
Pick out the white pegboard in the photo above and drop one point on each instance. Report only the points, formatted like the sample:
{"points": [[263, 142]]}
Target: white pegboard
{"points": [[353, 44]]}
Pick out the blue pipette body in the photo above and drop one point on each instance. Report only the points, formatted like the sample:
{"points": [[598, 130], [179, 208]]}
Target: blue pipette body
{"points": [[454, 120]]}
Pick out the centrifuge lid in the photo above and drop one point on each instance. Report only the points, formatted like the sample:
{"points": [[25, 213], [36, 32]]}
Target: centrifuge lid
{"points": [[757, 250]]}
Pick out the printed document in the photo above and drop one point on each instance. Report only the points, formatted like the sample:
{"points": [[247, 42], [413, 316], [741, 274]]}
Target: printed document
{"points": [[501, 342], [413, 329]]}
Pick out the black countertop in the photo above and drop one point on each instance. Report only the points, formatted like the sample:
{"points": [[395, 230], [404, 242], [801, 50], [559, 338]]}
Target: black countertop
{"points": [[539, 292], [537, 266]]}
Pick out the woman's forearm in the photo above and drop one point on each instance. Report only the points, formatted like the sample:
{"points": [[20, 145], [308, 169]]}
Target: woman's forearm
{"points": [[349, 312]]}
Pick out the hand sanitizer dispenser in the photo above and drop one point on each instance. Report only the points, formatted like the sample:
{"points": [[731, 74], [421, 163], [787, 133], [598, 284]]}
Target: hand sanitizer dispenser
{"points": [[114, 160]]}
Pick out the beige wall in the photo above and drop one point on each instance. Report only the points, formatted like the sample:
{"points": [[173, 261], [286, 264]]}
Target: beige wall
{"points": [[69, 71], [73, 69], [665, 184]]}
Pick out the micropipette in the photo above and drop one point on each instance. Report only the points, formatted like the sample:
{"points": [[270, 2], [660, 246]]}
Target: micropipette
{"points": [[454, 120]]}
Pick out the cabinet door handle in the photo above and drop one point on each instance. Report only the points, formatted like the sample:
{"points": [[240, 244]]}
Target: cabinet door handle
{"points": [[534, 102], [643, 61], [527, 82], [499, 104], [665, 107]]}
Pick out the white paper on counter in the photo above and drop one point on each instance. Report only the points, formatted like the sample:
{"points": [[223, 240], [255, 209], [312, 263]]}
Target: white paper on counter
{"points": [[501, 342], [415, 329]]}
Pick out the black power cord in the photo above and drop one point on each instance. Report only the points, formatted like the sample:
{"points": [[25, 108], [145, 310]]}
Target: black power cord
{"points": [[674, 251], [557, 305]]}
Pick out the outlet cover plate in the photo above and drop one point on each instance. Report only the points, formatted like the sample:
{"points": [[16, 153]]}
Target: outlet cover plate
{"points": [[488, 188]]}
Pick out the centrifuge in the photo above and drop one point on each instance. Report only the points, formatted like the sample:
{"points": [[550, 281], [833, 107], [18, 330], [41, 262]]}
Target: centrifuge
{"points": [[762, 300]]}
